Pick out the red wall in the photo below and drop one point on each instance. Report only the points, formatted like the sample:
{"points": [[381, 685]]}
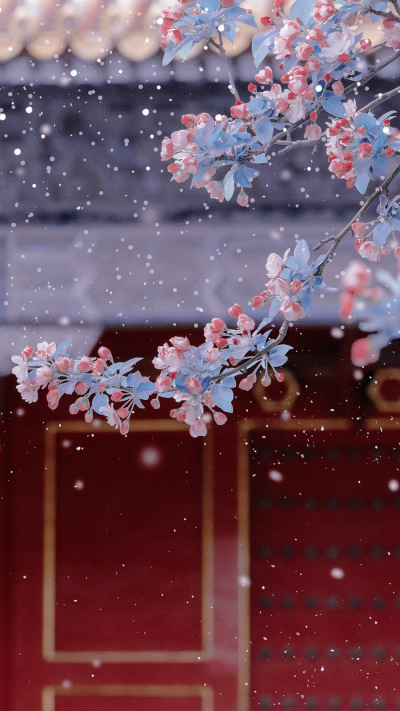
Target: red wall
{"points": [[126, 562]]}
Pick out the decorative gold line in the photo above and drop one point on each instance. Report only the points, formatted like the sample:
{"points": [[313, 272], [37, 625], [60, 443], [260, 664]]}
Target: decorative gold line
{"points": [[205, 693], [284, 403], [243, 569], [303, 423], [388, 423], [49, 567], [207, 549], [49, 544]]}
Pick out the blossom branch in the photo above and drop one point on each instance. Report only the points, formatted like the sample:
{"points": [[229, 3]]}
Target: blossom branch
{"points": [[379, 190], [254, 359]]}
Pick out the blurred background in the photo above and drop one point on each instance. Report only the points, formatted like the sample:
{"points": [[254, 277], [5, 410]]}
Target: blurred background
{"points": [[260, 568]]}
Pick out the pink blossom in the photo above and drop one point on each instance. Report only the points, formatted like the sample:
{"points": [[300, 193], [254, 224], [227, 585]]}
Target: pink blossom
{"points": [[194, 386], [220, 418], [214, 330], [189, 120], [180, 342], [323, 11], [53, 398], [239, 110], [363, 352], [391, 30], [98, 367], [155, 403], [293, 311], [245, 323], [175, 36], [112, 416], [180, 139], [242, 199], [313, 132], [356, 277], [168, 357], [279, 287], [358, 228], [104, 353], [28, 351], [258, 301], [123, 412], [46, 350], [295, 286], [370, 251], [124, 427], [338, 43], [190, 165], [235, 311], [198, 429], [276, 264], [313, 65], [116, 396], [81, 388], [304, 51], [21, 369], [364, 150], [89, 416], [28, 393], [315, 35], [85, 364], [264, 76], [202, 119], [163, 383], [61, 363], [212, 355], [167, 149], [43, 375], [248, 382], [347, 301], [266, 381], [338, 88]]}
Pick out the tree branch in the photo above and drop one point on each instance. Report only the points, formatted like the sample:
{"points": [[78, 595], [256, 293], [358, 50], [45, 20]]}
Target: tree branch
{"points": [[379, 190], [256, 358], [297, 144], [227, 63], [380, 99], [373, 72]]}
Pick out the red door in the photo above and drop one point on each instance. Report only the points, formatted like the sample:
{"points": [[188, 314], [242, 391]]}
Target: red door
{"points": [[156, 572], [120, 566]]}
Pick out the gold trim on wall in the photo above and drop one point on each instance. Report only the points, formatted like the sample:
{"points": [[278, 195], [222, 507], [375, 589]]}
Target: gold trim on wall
{"points": [[244, 572], [374, 389], [284, 403], [49, 651], [382, 423], [205, 693]]}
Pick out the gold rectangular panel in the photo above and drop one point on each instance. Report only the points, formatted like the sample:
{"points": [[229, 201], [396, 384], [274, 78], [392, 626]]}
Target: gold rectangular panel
{"points": [[49, 651], [205, 693]]}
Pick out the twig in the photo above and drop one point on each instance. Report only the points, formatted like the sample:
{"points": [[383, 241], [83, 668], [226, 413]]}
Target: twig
{"points": [[255, 359], [371, 74], [298, 144], [380, 99], [379, 190], [227, 63], [388, 14]]}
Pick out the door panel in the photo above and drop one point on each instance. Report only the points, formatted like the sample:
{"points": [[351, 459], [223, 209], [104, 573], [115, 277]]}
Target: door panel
{"points": [[325, 569]]}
